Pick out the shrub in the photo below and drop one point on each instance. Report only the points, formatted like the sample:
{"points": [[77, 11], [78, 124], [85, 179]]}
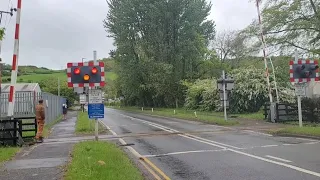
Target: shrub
{"points": [[202, 95]]}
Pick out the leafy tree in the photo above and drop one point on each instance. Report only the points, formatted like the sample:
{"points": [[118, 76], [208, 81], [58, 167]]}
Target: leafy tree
{"points": [[291, 24], [159, 43], [50, 85], [202, 95], [250, 92], [230, 45]]}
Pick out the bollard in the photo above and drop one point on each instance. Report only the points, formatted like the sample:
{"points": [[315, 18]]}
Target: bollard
{"points": [[152, 109], [174, 111], [142, 108], [195, 114]]}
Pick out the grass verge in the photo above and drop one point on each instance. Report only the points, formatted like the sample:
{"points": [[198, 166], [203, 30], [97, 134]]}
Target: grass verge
{"points": [[6, 153], [86, 126], [295, 130], [100, 160], [208, 117]]}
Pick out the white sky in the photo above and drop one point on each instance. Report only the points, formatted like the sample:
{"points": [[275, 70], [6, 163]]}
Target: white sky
{"points": [[54, 32]]}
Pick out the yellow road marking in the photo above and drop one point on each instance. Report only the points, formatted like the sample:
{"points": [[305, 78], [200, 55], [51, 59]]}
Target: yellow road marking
{"points": [[155, 168], [150, 170]]}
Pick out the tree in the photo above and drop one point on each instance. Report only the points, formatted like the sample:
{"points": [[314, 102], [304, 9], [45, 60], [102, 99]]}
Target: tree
{"points": [[231, 45], [50, 85], [159, 43], [290, 24]]}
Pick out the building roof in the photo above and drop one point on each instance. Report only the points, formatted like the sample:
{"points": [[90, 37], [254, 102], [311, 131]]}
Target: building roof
{"points": [[19, 87]]}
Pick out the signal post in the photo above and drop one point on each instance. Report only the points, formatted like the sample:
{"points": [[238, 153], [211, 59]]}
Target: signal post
{"points": [[89, 75], [302, 72]]}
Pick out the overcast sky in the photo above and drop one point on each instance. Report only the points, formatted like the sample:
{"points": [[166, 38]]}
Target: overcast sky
{"points": [[54, 32]]}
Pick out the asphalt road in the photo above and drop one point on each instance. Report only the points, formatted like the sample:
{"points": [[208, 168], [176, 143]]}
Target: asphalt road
{"points": [[193, 150]]}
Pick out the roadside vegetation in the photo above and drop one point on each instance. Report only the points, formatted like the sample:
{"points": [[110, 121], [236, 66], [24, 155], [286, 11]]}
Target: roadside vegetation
{"points": [[6, 153], [100, 160], [211, 118], [307, 130], [86, 126]]}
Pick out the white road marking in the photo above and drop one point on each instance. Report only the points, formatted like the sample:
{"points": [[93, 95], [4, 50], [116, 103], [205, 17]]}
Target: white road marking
{"points": [[236, 151], [127, 125], [289, 144], [316, 142], [271, 145], [277, 158], [305, 139], [197, 137], [255, 132], [184, 152]]}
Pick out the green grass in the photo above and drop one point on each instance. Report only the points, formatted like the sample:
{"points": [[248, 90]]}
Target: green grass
{"points": [[6, 153], [38, 77], [295, 130], [86, 126], [100, 160], [252, 116], [208, 117]]}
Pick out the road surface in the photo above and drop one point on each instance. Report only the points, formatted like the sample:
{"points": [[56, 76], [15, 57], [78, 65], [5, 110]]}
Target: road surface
{"points": [[193, 150]]}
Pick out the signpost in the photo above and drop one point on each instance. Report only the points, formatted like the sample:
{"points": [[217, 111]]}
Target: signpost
{"points": [[225, 85], [300, 89], [302, 72], [89, 75], [95, 107]]}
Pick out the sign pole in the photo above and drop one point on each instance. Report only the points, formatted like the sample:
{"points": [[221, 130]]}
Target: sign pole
{"points": [[299, 111], [298, 96], [224, 95], [96, 119]]}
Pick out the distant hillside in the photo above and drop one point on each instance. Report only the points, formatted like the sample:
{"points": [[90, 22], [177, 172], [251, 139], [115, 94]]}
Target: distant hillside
{"points": [[30, 73], [28, 70]]}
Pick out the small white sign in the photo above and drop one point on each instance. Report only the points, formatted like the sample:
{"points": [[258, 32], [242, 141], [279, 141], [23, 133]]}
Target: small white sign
{"points": [[300, 89], [83, 99], [95, 96]]}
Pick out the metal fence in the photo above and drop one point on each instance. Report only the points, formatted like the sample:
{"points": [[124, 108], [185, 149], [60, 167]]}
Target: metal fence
{"points": [[25, 103]]}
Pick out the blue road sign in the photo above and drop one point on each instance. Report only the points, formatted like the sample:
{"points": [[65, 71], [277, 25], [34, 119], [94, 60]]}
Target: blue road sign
{"points": [[96, 111]]}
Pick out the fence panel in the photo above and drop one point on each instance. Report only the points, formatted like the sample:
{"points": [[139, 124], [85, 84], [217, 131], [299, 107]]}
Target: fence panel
{"points": [[25, 105]]}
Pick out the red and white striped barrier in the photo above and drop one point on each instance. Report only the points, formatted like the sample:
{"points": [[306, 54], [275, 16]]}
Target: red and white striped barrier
{"points": [[264, 50], [15, 58]]}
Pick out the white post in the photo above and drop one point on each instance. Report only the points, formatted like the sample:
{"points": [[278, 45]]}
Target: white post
{"points": [[224, 95], [152, 109], [97, 122], [299, 97], [299, 111], [174, 111]]}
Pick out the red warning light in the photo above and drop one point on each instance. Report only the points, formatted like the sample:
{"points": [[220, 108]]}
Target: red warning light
{"points": [[76, 71], [94, 70]]}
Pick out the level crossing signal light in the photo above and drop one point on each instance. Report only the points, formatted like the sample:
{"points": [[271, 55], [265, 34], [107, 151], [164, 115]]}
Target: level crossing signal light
{"points": [[304, 71], [86, 74]]}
